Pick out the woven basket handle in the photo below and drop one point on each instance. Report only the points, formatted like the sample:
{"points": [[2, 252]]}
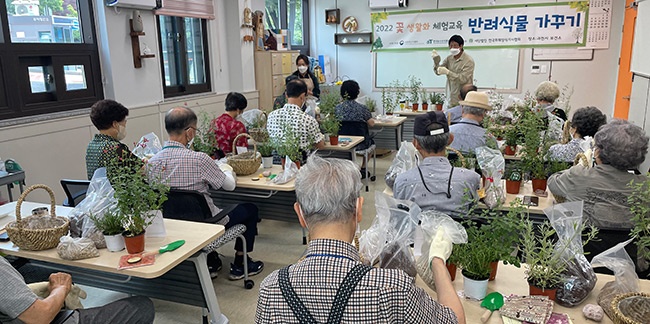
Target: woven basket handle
{"points": [[24, 195], [460, 156], [234, 144], [265, 118], [581, 157]]}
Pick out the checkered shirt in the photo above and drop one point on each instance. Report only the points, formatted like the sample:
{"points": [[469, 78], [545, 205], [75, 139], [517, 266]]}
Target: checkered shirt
{"points": [[300, 123], [382, 296], [182, 168]]}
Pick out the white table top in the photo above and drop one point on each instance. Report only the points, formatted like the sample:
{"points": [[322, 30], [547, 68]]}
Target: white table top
{"points": [[354, 141], [262, 183], [196, 236], [393, 121]]}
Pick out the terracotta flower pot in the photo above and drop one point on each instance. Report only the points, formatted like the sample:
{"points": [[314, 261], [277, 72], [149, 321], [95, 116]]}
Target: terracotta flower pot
{"points": [[539, 184], [334, 140], [415, 106], [439, 107], [493, 273], [512, 187], [425, 106], [536, 291], [451, 267], [510, 150], [134, 244]]}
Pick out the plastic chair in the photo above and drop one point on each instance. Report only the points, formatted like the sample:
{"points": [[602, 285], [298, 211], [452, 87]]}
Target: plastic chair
{"points": [[191, 206], [75, 191], [360, 128]]}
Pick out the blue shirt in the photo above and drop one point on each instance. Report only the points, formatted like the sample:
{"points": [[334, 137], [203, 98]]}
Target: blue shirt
{"points": [[468, 135]]}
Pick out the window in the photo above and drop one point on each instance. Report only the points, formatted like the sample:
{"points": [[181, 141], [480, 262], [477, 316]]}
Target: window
{"points": [[184, 48], [292, 15], [49, 57]]}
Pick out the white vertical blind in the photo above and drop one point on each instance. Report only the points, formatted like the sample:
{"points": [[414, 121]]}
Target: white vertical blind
{"points": [[187, 8]]}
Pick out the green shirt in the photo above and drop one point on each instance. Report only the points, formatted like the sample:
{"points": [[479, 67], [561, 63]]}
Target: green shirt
{"points": [[461, 72], [103, 149]]}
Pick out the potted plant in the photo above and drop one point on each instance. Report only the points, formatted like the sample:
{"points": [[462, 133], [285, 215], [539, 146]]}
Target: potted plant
{"points": [[510, 135], [425, 100], [331, 126], [328, 103], [266, 150], [139, 199], [371, 104], [205, 140], [387, 101], [288, 145], [110, 224], [513, 178], [437, 99], [415, 83], [399, 91], [474, 258], [535, 146], [639, 202]]}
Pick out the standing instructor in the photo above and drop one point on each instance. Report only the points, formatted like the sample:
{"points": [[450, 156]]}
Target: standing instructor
{"points": [[458, 67]]}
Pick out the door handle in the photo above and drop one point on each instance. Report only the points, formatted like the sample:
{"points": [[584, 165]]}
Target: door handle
{"points": [[626, 97]]}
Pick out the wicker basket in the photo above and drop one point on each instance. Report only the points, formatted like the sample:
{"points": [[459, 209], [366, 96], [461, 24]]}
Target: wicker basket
{"points": [[37, 232], [463, 162], [245, 163], [631, 308], [260, 134]]}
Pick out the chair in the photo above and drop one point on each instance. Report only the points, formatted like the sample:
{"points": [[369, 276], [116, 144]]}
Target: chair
{"points": [[191, 206], [360, 128], [606, 239], [75, 191]]}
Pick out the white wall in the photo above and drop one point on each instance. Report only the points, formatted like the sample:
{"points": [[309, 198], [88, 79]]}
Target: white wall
{"points": [[594, 81]]}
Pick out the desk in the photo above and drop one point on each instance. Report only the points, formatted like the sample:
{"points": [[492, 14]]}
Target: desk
{"points": [[346, 151], [387, 140], [511, 280], [410, 121], [185, 268], [9, 180]]}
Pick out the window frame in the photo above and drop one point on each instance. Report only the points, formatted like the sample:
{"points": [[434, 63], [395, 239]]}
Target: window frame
{"points": [[304, 48], [181, 59], [16, 98]]}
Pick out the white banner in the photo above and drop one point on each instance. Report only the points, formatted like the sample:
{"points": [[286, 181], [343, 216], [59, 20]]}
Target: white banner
{"points": [[532, 25]]}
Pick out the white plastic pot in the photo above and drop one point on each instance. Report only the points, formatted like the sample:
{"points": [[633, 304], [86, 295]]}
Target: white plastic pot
{"points": [[475, 289], [267, 162], [114, 243]]}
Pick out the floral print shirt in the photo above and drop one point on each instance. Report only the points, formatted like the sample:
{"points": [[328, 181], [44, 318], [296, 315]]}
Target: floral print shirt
{"points": [[566, 152], [350, 110], [226, 129], [101, 150]]}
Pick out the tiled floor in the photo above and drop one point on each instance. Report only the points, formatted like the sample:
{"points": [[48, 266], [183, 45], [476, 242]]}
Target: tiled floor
{"points": [[278, 244]]}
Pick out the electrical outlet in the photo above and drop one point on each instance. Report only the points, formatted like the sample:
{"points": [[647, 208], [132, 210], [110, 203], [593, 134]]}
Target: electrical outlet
{"points": [[534, 69]]}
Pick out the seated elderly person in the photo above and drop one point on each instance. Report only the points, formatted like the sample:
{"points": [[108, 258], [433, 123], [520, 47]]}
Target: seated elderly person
{"points": [[619, 147], [109, 117], [292, 118], [435, 184], [585, 123], [468, 132], [226, 127], [455, 114], [329, 205], [19, 304], [181, 168], [281, 100], [352, 111], [546, 94]]}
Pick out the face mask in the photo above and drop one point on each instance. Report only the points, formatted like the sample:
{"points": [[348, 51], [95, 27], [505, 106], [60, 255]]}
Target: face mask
{"points": [[302, 69], [189, 144], [121, 132], [454, 51]]}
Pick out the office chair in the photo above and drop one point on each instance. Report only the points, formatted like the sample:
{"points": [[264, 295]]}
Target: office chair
{"points": [[75, 191], [359, 128], [191, 206]]}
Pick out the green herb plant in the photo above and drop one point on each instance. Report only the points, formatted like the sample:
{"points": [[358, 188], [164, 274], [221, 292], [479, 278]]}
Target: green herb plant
{"points": [[639, 202], [328, 103], [436, 98], [388, 101], [110, 223], [265, 149], [415, 85], [288, 144], [331, 125], [205, 140], [371, 104]]}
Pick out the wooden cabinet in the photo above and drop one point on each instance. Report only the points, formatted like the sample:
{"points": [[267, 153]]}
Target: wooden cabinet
{"points": [[271, 68]]}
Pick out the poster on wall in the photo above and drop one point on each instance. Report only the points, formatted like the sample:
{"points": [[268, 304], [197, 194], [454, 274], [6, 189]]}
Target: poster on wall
{"points": [[561, 24], [598, 25]]}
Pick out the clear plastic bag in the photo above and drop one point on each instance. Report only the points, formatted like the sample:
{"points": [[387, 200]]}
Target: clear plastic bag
{"points": [[390, 236], [147, 147], [76, 248], [579, 279], [430, 221], [492, 166], [406, 158], [253, 118], [99, 199], [625, 278], [290, 172]]}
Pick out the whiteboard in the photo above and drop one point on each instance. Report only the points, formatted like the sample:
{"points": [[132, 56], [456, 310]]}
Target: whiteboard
{"points": [[641, 47], [494, 68]]}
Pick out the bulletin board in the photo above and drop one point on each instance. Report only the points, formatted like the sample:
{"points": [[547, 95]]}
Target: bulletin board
{"points": [[494, 68]]}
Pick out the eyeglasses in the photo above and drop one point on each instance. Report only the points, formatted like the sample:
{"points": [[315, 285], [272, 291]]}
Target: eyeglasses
{"points": [[191, 127]]}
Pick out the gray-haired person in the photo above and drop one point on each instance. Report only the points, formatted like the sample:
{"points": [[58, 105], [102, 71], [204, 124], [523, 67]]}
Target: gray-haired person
{"points": [[619, 147], [468, 132], [435, 184], [314, 289]]}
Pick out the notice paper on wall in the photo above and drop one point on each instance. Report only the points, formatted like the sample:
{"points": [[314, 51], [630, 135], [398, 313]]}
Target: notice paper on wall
{"points": [[598, 26]]}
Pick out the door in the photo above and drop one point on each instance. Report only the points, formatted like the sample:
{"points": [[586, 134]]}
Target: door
{"points": [[624, 86]]}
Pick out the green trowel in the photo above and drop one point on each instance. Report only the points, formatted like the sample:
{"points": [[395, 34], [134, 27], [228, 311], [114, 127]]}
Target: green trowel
{"points": [[493, 301]]}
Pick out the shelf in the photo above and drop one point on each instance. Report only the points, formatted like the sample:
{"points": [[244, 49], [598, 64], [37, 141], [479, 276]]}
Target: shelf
{"points": [[135, 46], [332, 16], [353, 38]]}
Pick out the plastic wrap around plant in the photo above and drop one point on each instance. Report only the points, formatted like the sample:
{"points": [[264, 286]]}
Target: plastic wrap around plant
{"points": [[99, 198], [392, 232], [253, 118], [625, 278], [147, 147], [406, 158], [578, 278], [492, 166], [290, 172], [430, 221]]}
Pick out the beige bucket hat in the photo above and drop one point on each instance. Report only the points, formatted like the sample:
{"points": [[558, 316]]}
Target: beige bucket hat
{"points": [[477, 100]]}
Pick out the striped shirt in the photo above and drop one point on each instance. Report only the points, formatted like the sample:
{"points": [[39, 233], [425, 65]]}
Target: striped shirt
{"points": [[382, 295], [182, 168]]}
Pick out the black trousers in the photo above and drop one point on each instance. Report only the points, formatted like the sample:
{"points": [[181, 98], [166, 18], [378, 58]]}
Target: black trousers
{"points": [[246, 214]]}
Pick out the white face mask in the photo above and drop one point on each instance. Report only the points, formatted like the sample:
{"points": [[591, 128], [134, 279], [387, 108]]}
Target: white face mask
{"points": [[121, 132], [302, 69], [189, 144], [454, 51]]}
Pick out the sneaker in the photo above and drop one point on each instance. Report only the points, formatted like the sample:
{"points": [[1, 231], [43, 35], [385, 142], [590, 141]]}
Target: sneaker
{"points": [[214, 264], [237, 271]]}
